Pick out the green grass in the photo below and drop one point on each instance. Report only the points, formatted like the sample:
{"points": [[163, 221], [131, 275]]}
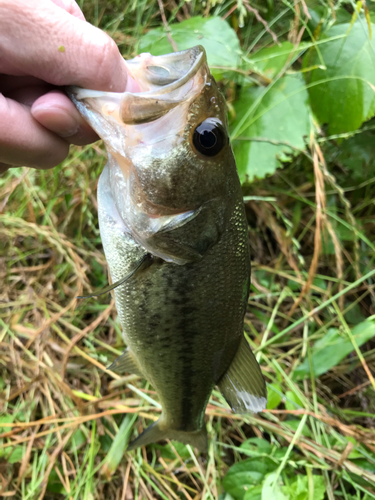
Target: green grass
{"points": [[65, 420]]}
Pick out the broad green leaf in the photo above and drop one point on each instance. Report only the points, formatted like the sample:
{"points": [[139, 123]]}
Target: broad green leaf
{"points": [[299, 489], [166, 450], [5, 419], [279, 453], [355, 453], [16, 455], [343, 95], [256, 446], [292, 402], [357, 155], [272, 489], [365, 464], [354, 315], [78, 439], [105, 443], [277, 116], [254, 493], [333, 348], [54, 483], [323, 12], [274, 396], [118, 446], [247, 474], [270, 61], [226, 496], [355, 497], [294, 424], [215, 35]]}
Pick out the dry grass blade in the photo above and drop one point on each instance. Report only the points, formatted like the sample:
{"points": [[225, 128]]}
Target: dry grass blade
{"points": [[320, 217], [52, 460], [166, 27]]}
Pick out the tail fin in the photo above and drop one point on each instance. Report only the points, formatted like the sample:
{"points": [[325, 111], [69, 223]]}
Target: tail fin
{"points": [[158, 431]]}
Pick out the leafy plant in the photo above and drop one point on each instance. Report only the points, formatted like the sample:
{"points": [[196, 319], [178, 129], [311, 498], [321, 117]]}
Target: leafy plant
{"points": [[333, 348], [271, 125], [219, 40], [343, 93]]}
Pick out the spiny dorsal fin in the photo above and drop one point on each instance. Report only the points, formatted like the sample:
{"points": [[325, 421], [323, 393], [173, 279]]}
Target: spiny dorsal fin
{"points": [[243, 385], [126, 363]]}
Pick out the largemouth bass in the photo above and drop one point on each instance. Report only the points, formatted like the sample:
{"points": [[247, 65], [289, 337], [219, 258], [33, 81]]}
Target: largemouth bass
{"points": [[174, 233]]}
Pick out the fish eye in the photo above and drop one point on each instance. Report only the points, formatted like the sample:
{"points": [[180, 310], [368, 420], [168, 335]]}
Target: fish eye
{"points": [[209, 137]]}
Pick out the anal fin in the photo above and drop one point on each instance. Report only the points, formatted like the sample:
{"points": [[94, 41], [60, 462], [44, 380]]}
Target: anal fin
{"points": [[125, 363], [243, 385]]}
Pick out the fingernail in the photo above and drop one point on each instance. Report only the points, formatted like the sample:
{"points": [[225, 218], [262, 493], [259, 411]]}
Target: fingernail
{"points": [[68, 132]]}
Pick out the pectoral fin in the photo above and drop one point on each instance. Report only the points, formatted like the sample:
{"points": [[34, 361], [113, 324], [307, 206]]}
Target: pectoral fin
{"points": [[141, 263], [173, 222], [243, 385], [167, 241], [126, 363], [186, 237]]}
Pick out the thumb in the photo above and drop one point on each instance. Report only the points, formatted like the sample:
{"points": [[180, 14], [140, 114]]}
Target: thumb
{"points": [[39, 38]]}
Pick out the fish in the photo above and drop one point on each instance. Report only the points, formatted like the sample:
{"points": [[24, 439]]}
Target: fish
{"points": [[174, 232]]}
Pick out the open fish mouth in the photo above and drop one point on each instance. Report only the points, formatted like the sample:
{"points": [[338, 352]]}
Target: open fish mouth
{"points": [[165, 82], [153, 162]]}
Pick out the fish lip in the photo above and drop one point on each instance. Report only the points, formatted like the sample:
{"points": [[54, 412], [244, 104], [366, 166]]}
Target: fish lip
{"points": [[197, 53], [134, 108]]}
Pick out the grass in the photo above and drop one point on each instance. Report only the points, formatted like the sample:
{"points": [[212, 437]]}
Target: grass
{"points": [[65, 420]]}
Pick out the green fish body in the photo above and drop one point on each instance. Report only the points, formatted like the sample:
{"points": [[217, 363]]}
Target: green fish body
{"points": [[172, 222]]}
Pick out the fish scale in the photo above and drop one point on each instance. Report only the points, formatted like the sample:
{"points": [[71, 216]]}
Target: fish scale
{"points": [[173, 223]]}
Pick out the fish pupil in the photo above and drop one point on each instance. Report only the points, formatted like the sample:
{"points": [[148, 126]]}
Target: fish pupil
{"points": [[209, 137]]}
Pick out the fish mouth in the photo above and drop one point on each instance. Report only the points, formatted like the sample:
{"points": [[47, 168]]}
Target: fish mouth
{"points": [[165, 82]]}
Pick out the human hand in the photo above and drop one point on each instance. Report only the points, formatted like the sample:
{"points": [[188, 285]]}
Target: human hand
{"points": [[46, 44]]}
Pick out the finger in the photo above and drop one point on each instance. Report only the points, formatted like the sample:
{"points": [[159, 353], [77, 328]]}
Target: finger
{"points": [[70, 6], [28, 95], [50, 107], [40, 39], [56, 112], [24, 142]]}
